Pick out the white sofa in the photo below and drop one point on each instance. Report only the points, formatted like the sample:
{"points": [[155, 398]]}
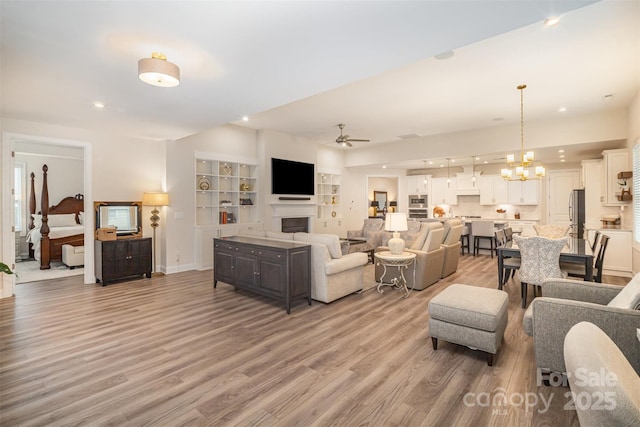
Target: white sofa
{"points": [[333, 275]]}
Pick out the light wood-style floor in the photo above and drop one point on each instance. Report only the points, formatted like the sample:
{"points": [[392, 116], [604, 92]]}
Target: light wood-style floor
{"points": [[172, 350]]}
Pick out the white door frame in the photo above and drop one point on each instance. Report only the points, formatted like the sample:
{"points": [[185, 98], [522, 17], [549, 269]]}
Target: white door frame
{"points": [[8, 245]]}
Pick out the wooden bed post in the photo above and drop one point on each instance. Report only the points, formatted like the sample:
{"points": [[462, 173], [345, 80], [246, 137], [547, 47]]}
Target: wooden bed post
{"points": [[32, 201], [45, 254]]}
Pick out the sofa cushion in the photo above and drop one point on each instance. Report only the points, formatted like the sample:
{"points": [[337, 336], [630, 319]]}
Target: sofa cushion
{"points": [[629, 296], [434, 238], [331, 241], [279, 235]]}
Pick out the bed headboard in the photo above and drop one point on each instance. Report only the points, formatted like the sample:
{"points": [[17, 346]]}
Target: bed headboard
{"points": [[69, 205]]}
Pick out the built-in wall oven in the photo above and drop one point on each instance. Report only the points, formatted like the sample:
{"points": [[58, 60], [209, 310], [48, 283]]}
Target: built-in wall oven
{"points": [[418, 206], [417, 201]]}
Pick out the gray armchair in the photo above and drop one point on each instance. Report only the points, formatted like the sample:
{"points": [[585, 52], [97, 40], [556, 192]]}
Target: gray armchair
{"points": [[565, 303], [371, 231]]}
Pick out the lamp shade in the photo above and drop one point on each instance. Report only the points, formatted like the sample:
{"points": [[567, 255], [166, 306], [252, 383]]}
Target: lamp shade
{"points": [[396, 222], [393, 203], [155, 199], [157, 71], [375, 204]]}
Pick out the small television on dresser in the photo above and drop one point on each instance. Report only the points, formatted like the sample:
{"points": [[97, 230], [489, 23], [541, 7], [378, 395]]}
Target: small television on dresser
{"points": [[125, 217], [292, 178]]}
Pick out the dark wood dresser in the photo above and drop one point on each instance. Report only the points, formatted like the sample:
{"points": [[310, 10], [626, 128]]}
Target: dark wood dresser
{"points": [[277, 269], [119, 259]]}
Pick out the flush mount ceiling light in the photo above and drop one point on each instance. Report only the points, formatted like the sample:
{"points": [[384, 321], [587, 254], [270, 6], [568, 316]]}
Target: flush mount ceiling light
{"points": [[157, 71]]}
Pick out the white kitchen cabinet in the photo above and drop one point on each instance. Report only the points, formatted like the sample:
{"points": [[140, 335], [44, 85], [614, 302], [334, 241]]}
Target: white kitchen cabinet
{"points": [[614, 161], [417, 186], [524, 192], [494, 190], [443, 193]]}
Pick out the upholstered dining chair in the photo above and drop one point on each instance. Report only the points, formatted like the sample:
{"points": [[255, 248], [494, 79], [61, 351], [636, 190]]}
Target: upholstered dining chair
{"points": [[539, 260], [509, 264], [508, 233], [552, 231]]}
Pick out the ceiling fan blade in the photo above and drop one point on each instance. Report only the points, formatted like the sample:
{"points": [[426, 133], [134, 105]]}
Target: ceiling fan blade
{"points": [[358, 140], [348, 144]]}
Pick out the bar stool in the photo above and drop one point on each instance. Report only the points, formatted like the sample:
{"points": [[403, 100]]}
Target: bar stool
{"points": [[483, 229], [464, 240]]}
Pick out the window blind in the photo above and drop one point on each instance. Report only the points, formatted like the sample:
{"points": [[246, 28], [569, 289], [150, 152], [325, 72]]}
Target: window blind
{"points": [[636, 187]]}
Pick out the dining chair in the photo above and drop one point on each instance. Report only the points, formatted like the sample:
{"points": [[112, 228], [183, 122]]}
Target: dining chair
{"points": [[508, 233], [552, 231], [578, 270], [483, 229], [539, 260], [509, 264], [595, 241]]}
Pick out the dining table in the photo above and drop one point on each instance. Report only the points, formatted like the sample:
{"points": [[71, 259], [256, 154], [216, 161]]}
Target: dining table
{"points": [[577, 250]]}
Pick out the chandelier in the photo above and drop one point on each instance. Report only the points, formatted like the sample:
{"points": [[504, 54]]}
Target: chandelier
{"points": [[526, 158]]}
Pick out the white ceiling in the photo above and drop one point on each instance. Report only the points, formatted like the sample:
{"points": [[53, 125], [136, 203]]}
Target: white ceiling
{"points": [[302, 67]]}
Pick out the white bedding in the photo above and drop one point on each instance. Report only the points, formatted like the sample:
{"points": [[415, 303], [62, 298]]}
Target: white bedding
{"points": [[34, 236]]}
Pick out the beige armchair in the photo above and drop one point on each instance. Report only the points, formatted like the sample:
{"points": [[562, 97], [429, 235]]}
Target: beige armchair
{"points": [[429, 257], [451, 244], [566, 302]]}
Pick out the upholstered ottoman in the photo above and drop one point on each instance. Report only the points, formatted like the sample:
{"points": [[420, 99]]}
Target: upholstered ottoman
{"points": [[72, 256], [471, 316]]}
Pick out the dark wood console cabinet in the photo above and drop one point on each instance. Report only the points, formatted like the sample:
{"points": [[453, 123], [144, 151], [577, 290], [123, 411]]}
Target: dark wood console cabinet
{"points": [[277, 269], [122, 258]]}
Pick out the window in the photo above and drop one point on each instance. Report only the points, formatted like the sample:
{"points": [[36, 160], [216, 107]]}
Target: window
{"points": [[636, 186], [20, 198]]}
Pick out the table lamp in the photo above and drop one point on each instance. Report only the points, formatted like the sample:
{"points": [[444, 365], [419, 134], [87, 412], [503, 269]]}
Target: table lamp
{"points": [[396, 222], [393, 205], [375, 205]]}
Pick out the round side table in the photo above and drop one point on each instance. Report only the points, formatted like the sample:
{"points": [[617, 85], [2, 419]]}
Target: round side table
{"points": [[402, 262]]}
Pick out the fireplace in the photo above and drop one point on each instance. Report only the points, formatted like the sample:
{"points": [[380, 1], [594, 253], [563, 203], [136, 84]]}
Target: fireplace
{"points": [[295, 225]]}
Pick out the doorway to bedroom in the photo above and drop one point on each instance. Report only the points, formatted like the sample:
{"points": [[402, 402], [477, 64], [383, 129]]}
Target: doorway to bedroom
{"points": [[65, 178]]}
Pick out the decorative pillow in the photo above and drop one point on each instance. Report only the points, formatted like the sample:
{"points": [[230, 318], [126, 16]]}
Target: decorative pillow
{"points": [[37, 220], [629, 296], [81, 217], [62, 220]]}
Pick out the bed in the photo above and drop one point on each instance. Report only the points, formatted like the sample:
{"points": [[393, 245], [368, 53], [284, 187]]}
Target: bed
{"points": [[53, 226]]}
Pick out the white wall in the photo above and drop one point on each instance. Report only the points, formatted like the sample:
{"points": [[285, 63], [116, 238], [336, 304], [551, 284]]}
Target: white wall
{"points": [[118, 168]]}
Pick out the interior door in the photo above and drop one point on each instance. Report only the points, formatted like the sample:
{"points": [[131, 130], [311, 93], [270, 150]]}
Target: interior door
{"points": [[560, 185]]}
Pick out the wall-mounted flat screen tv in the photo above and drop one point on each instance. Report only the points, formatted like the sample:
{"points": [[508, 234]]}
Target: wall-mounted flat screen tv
{"points": [[289, 177]]}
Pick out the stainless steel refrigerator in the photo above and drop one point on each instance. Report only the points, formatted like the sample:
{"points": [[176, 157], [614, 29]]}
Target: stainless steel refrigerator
{"points": [[576, 212]]}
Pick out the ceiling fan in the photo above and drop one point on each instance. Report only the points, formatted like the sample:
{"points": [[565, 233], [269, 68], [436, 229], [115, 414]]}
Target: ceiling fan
{"points": [[344, 140]]}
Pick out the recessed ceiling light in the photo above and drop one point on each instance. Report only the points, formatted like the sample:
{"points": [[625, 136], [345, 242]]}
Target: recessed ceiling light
{"points": [[430, 163], [477, 158], [441, 166], [561, 151], [550, 22], [98, 104], [486, 162], [562, 156], [453, 160], [562, 110], [562, 160], [384, 166], [245, 118]]}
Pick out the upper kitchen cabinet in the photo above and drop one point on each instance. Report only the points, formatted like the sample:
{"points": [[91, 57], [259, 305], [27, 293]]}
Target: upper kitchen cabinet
{"points": [[614, 162], [494, 190], [524, 192], [416, 184], [442, 192]]}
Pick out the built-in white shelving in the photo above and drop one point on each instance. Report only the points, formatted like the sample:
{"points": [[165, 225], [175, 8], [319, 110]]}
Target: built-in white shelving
{"points": [[328, 195]]}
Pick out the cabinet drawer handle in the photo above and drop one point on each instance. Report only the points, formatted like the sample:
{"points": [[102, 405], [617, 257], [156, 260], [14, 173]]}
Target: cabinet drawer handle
{"points": [[237, 249]]}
